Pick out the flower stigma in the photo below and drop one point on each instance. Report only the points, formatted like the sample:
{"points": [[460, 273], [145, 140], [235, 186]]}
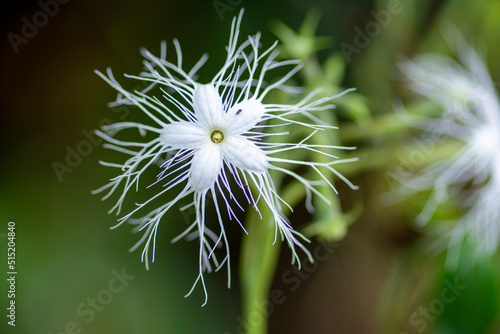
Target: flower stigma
{"points": [[217, 136]]}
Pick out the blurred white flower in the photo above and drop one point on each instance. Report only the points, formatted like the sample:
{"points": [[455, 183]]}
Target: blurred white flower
{"points": [[214, 135], [471, 115]]}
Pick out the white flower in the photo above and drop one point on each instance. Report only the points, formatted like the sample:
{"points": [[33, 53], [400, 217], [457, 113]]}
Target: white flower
{"points": [[215, 140], [472, 175]]}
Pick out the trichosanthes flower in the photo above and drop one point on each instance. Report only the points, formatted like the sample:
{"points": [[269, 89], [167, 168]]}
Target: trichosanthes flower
{"points": [[471, 177], [214, 139]]}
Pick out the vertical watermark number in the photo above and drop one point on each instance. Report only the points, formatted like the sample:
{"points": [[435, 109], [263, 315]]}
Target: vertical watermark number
{"points": [[11, 273]]}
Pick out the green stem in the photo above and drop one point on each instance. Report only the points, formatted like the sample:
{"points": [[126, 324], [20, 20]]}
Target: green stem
{"points": [[259, 258]]}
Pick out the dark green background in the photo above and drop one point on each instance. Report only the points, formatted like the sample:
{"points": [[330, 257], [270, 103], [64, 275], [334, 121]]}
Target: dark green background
{"points": [[66, 253]]}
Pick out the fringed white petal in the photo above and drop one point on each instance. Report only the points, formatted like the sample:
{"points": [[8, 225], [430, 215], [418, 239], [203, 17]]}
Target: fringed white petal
{"points": [[244, 154], [207, 105], [243, 116], [183, 135], [205, 167]]}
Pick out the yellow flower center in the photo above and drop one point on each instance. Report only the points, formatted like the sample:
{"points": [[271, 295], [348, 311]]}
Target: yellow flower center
{"points": [[217, 136]]}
